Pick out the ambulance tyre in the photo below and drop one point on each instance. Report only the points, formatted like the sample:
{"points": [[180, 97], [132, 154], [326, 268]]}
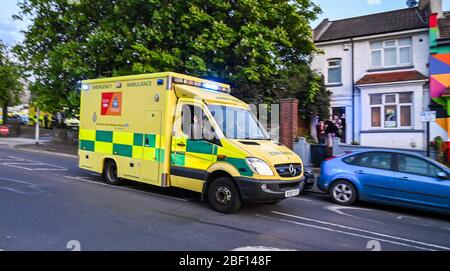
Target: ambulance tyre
{"points": [[110, 173], [223, 195]]}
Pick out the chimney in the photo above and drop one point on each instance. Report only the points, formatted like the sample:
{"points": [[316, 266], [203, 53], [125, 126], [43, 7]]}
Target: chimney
{"points": [[436, 7], [424, 4], [321, 28]]}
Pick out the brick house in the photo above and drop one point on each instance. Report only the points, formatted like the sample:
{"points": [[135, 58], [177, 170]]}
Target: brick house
{"points": [[376, 67]]}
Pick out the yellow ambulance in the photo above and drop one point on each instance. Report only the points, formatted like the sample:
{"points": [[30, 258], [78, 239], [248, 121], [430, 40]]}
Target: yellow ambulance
{"points": [[173, 130]]}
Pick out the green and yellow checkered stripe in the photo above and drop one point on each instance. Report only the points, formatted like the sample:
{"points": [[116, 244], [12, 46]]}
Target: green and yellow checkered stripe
{"points": [[134, 145], [210, 151]]}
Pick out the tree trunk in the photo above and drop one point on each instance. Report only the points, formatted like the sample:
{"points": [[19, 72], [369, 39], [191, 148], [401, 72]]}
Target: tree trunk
{"points": [[5, 113]]}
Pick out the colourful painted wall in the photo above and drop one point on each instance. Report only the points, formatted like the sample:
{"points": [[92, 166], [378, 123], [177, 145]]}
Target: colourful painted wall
{"points": [[440, 78]]}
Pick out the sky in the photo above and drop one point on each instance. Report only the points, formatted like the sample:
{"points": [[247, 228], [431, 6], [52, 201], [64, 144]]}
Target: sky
{"points": [[341, 9], [332, 9]]}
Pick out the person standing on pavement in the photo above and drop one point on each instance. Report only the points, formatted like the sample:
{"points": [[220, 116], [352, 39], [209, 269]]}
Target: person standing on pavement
{"points": [[330, 131]]}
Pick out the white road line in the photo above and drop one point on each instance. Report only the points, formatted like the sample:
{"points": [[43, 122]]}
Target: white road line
{"points": [[26, 184], [26, 164], [299, 198], [14, 166], [337, 209], [83, 179], [347, 233], [361, 230]]}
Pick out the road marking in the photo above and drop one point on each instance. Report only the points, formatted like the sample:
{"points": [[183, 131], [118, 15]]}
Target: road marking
{"points": [[29, 165], [364, 231], [25, 184], [346, 232], [423, 224], [298, 198], [337, 209], [261, 248], [83, 179]]}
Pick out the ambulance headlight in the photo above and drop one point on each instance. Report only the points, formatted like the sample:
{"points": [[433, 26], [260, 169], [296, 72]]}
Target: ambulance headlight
{"points": [[258, 166]]}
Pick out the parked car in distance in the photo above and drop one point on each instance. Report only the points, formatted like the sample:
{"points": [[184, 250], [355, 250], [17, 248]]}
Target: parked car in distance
{"points": [[387, 176]]}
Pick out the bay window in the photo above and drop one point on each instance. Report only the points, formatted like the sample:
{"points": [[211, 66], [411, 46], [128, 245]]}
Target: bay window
{"points": [[391, 110], [391, 53]]}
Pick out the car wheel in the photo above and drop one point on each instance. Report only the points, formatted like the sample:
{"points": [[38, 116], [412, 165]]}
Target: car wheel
{"points": [[223, 196], [343, 192], [110, 173]]}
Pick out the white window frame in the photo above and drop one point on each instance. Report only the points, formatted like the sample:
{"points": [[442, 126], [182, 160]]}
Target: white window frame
{"points": [[398, 112], [334, 67], [397, 46]]}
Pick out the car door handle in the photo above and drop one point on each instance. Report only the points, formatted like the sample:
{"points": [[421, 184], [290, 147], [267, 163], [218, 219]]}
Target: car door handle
{"points": [[181, 144], [359, 172], [405, 178]]}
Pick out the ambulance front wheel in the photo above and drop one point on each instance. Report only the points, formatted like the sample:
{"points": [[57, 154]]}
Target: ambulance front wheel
{"points": [[223, 195], [110, 173]]}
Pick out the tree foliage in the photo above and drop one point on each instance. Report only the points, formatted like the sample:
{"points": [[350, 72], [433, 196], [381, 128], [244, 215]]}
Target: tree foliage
{"points": [[10, 85], [246, 43]]}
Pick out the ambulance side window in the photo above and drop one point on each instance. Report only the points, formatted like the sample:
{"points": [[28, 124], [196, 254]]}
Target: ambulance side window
{"points": [[195, 124], [186, 119]]}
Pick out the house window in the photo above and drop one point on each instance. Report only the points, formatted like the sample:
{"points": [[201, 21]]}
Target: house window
{"points": [[391, 53], [392, 110], [334, 71]]}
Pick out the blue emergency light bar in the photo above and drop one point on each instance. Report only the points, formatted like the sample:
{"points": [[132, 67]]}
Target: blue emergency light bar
{"points": [[206, 85]]}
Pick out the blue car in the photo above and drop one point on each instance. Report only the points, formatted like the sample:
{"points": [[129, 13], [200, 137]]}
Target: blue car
{"points": [[390, 177]]}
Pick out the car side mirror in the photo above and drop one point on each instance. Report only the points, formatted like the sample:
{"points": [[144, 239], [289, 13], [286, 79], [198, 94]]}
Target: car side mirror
{"points": [[442, 175]]}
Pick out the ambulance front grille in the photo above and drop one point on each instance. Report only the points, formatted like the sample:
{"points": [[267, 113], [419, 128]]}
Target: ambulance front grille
{"points": [[289, 170]]}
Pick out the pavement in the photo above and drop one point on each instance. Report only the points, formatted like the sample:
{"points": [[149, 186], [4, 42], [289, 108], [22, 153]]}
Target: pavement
{"points": [[48, 203]]}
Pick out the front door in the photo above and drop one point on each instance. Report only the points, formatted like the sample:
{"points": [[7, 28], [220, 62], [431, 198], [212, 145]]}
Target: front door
{"points": [[374, 171], [192, 150]]}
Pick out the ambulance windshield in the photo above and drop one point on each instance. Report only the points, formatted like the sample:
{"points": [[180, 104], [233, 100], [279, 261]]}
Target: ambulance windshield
{"points": [[238, 123]]}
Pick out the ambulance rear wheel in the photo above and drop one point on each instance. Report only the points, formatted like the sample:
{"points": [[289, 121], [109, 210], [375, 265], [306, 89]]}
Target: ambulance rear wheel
{"points": [[110, 173], [223, 196]]}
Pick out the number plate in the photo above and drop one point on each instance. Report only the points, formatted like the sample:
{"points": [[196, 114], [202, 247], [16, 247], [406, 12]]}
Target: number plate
{"points": [[291, 193]]}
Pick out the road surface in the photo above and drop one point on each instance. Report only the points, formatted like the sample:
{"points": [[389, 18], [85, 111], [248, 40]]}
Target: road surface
{"points": [[47, 203]]}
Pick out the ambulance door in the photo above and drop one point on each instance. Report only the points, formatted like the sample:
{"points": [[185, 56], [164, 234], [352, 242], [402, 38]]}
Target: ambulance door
{"points": [[192, 152], [152, 154]]}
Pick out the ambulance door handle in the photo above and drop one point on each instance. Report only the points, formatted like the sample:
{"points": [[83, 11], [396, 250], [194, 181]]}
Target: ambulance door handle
{"points": [[181, 144], [146, 141]]}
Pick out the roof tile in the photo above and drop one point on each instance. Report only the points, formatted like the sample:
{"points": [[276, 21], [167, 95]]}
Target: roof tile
{"points": [[386, 22], [377, 78]]}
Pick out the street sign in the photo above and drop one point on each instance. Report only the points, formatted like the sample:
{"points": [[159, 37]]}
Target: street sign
{"points": [[428, 116], [4, 130]]}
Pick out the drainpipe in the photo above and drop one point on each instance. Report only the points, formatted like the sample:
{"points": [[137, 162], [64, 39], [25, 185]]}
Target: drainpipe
{"points": [[353, 90]]}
